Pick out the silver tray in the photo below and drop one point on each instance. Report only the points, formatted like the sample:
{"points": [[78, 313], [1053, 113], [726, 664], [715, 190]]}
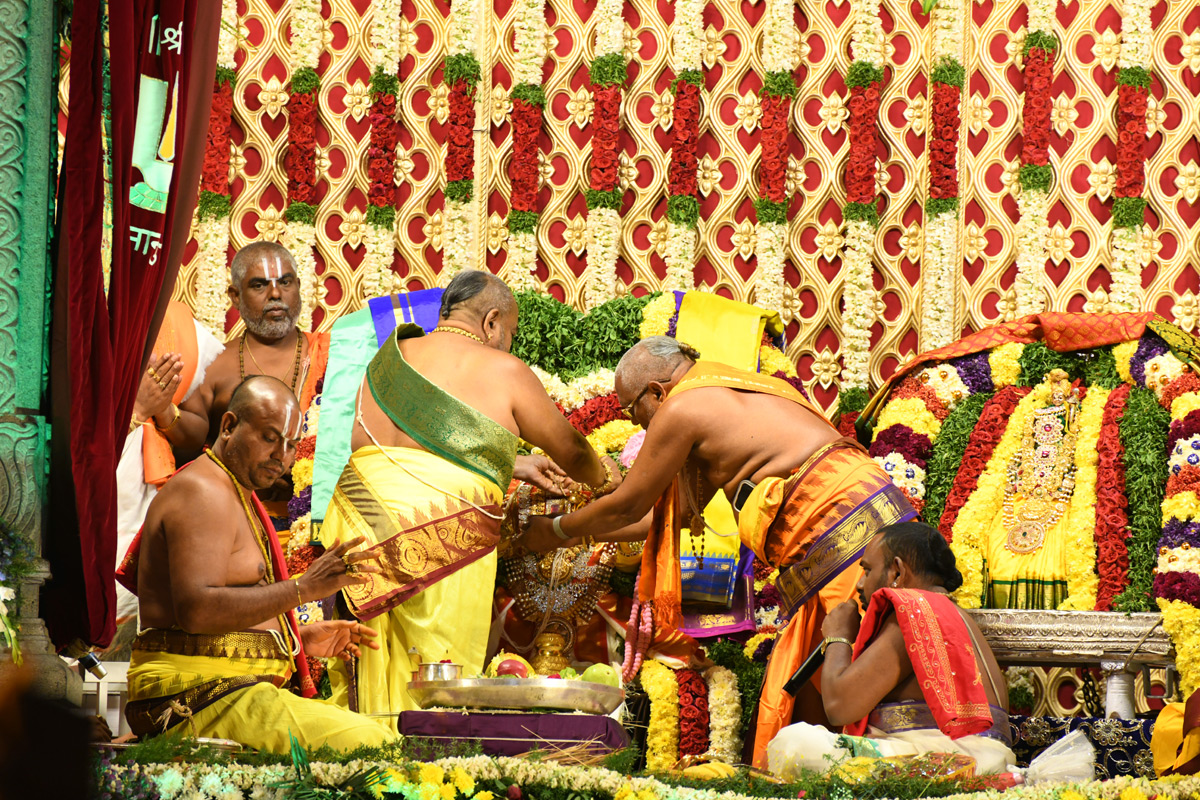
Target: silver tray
{"points": [[518, 693]]}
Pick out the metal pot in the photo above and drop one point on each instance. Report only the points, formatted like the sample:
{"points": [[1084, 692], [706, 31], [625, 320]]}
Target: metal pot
{"points": [[438, 671]]}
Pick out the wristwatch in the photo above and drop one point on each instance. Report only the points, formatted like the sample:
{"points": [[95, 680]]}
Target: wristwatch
{"points": [[828, 640]]}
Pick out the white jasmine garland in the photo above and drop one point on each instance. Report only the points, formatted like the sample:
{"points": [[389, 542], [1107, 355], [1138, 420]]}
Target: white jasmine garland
{"points": [[610, 28], [228, 36], [680, 258], [212, 274], [725, 712], [778, 48], [604, 244], [574, 394], [529, 41], [946, 23], [866, 35], [770, 249], [522, 261], [305, 50], [859, 300], [1041, 15], [460, 32], [1126, 270], [1136, 33], [456, 240], [376, 263], [938, 280], [687, 35], [385, 35], [1032, 232], [300, 238]]}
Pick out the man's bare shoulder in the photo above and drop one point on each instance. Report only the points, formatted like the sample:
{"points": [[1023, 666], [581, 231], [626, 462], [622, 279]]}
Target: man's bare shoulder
{"points": [[193, 488], [224, 368]]}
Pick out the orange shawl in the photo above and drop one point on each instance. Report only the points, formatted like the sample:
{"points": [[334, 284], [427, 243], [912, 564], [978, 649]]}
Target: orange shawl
{"points": [[943, 658], [661, 581], [177, 335]]}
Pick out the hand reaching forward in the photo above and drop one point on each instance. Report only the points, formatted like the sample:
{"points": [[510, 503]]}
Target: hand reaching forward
{"points": [[340, 638], [539, 536], [542, 472], [338, 568]]}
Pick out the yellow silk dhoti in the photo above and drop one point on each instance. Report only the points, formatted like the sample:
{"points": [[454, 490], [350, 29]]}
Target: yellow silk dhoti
{"points": [[439, 561], [226, 702]]}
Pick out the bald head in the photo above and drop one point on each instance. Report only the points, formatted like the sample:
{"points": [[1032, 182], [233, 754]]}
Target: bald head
{"points": [[259, 431], [258, 253], [262, 394], [473, 293], [651, 359]]}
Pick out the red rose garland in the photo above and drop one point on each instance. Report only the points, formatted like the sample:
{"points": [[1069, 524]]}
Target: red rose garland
{"points": [[381, 151], [460, 146], [1112, 522], [595, 412], [776, 110], [214, 175], [527, 127], [860, 166], [693, 713], [1131, 140], [685, 127], [1035, 112], [300, 161], [943, 151], [993, 421], [606, 138]]}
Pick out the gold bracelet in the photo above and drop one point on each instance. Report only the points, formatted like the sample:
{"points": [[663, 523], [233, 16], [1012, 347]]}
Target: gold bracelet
{"points": [[174, 419], [135, 423], [828, 640], [299, 600]]}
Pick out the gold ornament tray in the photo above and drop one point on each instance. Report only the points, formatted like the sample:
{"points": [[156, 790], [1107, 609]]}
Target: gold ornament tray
{"points": [[519, 694]]}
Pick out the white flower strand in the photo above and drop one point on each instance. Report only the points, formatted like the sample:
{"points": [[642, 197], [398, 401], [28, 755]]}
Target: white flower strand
{"points": [[770, 248], [938, 281], [212, 274], [305, 49], [300, 239], [456, 240], [946, 22], [571, 395], [779, 52], [610, 29], [1136, 35], [687, 35], [1032, 233], [376, 264], [859, 298], [866, 35], [604, 245], [680, 258], [385, 35], [522, 261], [529, 40], [227, 39], [460, 32], [725, 711], [1126, 270], [1041, 15]]}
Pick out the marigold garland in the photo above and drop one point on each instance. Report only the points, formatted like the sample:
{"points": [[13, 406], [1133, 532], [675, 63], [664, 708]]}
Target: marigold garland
{"points": [[1081, 544], [662, 737], [657, 315], [612, 436]]}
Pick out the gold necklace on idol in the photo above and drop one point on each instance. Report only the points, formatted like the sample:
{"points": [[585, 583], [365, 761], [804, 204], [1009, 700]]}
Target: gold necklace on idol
{"points": [[459, 331], [243, 349]]}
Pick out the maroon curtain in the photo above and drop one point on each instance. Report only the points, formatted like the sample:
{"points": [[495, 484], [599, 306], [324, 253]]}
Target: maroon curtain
{"points": [[161, 67]]}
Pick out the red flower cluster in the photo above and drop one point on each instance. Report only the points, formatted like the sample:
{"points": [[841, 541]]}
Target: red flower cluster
{"points": [[300, 161], [307, 447], [527, 127], [1187, 382], [1186, 480], [686, 127], [606, 138], [595, 412], [1112, 554], [1131, 140], [846, 422], [693, 713], [773, 172], [214, 176], [860, 166], [460, 138], [943, 151], [913, 387], [1035, 112], [992, 422], [381, 153]]}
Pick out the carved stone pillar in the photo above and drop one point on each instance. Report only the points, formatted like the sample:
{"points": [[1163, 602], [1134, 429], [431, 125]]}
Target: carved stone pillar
{"points": [[28, 117]]}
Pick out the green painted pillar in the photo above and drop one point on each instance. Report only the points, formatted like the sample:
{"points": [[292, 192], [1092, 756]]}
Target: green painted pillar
{"points": [[28, 148]]}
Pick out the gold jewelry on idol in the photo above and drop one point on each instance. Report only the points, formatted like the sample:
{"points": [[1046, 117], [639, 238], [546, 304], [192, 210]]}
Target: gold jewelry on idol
{"points": [[459, 331]]}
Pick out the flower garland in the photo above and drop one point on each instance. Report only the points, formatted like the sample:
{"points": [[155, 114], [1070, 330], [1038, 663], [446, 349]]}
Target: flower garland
{"points": [[608, 73], [725, 712], [778, 90], [683, 207], [939, 268], [528, 102], [1112, 554], [864, 78], [693, 713], [1036, 173], [1080, 549], [461, 73], [639, 632], [612, 436], [213, 208], [300, 162], [1133, 93], [662, 736], [658, 315], [376, 269], [574, 394]]}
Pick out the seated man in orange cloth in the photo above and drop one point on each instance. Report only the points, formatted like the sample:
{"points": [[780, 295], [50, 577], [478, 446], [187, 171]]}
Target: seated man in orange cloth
{"points": [[809, 500], [915, 677]]}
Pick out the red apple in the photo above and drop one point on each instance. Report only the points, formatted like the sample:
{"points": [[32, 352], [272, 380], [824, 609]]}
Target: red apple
{"points": [[512, 668]]}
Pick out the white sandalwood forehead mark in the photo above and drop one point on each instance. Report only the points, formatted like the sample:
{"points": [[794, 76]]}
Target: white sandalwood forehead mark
{"points": [[287, 424], [273, 272]]}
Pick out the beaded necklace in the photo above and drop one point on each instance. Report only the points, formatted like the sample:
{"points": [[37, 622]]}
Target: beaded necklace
{"points": [[295, 363], [459, 331]]}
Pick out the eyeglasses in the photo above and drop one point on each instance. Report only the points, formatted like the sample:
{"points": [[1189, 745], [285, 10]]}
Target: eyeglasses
{"points": [[627, 410]]}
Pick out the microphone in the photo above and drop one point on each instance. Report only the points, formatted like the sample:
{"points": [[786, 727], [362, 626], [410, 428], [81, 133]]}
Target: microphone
{"points": [[807, 669]]}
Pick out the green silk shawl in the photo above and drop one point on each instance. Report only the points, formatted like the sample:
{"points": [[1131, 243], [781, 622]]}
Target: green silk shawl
{"points": [[436, 420]]}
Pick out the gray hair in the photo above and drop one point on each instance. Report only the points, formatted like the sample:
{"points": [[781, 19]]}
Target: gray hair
{"points": [[653, 355], [250, 254]]}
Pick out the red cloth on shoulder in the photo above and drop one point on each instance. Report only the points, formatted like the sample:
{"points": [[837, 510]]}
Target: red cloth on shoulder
{"points": [[943, 658]]}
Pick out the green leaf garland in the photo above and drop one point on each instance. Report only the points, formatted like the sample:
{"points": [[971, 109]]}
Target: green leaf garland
{"points": [[609, 70], [948, 450], [683, 209], [770, 211], [1144, 436]]}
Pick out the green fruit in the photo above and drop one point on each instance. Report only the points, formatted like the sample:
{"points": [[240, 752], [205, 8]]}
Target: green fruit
{"points": [[568, 674], [602, 673]]}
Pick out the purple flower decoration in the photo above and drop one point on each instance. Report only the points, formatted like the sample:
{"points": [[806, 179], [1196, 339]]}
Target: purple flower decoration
{"points": [[1184, 428], [795, 383], [763, 651], [300, 505], [1178, 586], [975, 371], [768, 597], [1177, 532], [1149, 347], [915, 447]]}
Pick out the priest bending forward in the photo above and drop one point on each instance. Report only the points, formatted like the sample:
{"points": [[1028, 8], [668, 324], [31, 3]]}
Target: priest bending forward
{"points": [[916, 676]]}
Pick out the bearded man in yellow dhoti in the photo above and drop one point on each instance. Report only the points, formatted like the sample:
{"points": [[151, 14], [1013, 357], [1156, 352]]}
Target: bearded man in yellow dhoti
{"points": [[434, 447]]}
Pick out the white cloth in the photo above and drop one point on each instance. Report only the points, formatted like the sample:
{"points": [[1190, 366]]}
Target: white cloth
{"points": [[811, 747], [133, 493]]}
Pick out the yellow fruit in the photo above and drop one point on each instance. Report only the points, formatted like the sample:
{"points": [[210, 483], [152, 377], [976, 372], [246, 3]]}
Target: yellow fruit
{"points": [[710, 770]]}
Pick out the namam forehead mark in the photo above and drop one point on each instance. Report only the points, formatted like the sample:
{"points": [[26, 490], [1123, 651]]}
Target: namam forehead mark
{"points": [[289, 432], [273, 270]]}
